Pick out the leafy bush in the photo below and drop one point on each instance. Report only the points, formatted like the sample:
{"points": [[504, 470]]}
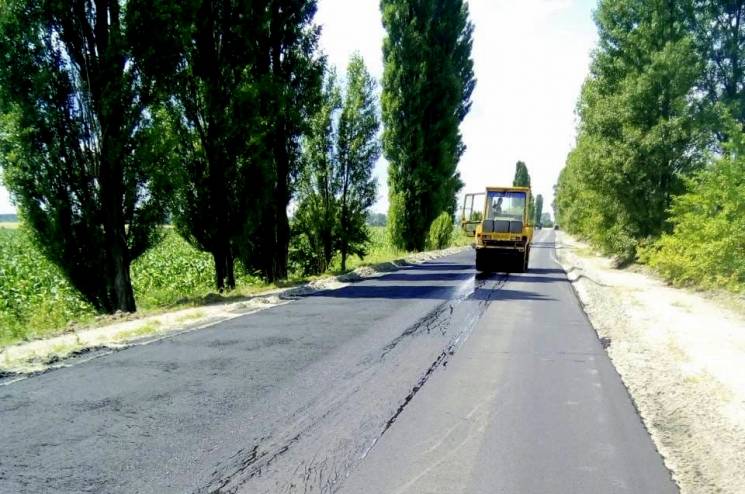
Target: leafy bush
{"points": [[304, 258], [440, 232], [707, 245]]}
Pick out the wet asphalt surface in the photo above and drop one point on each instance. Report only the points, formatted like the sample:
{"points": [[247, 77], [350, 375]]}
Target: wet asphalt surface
{"points": [[429, 379]]}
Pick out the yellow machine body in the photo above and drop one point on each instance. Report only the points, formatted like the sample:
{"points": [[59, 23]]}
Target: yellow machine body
{"points": [[499, 220]]}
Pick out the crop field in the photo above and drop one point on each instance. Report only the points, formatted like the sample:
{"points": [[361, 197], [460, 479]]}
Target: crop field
{"points": [[34, 296], [36, 300]]}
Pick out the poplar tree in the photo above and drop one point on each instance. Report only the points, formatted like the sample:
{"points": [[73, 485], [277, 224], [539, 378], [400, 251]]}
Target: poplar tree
{"points": [[538, 208], [427, 85], [204, 56], [315, 220], [358, 150], [522, 177], [336, 188], [238, 79], [290, 95], [79, 148]]}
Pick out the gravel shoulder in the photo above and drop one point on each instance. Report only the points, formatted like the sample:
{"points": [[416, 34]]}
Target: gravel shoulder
{"points": [[682, 358], [23, 359]]}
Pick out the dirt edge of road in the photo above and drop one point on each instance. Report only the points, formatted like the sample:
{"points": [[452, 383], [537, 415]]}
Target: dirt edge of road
{"points": [[33, 357], [682, 358]]}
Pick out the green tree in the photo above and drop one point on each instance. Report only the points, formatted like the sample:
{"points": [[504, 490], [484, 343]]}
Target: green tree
{"points": [[80, 150], [638, 133], [318, 185], [538, 209], [238, 78], [290, 94], [203, 57], [719, 31], [427, 85], [336, 187], [441, 232], [522, 177], [358, 149], [705, 246], [546, 220]]}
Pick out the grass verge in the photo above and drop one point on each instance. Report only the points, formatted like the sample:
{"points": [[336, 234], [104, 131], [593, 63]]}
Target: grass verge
{"points": [[37, 302]]}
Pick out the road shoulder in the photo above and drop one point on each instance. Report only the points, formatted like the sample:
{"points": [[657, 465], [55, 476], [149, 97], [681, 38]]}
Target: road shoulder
{"points": [[33, 357], [682, 358]]}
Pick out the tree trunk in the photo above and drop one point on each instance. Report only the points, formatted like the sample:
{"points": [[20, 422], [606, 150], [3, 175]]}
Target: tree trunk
{"points": [[279, 238], [230, 269], [283, 240], [125, 297], [119, 294], [327, 249], [224, 267], [219, 259]]}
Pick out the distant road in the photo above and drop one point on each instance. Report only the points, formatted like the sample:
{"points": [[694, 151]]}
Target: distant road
{"points": [[429, 379]]}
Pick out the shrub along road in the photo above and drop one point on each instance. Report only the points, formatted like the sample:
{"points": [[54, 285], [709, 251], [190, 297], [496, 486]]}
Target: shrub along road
{"points": [[429, 379]]}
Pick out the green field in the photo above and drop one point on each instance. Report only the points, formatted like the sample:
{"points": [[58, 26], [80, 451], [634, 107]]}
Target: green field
{"points": [[36, 301]]}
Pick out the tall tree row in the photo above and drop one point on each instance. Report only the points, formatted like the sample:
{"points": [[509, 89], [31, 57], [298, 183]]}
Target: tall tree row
{"points": [[241, 80], [641, 130], [117, 116], [104, 130], [427, 85], [657, 169]]}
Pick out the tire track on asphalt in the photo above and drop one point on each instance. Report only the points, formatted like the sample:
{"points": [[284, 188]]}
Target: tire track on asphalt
{"points": [[324, 471]]}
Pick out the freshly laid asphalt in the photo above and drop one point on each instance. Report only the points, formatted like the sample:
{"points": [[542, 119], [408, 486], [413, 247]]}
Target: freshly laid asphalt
{"points": [[429, 379]]}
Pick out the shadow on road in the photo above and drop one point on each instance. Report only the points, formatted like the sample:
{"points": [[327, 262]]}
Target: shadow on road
{"points": [[546, 271], [427, 292], [414, 276]]}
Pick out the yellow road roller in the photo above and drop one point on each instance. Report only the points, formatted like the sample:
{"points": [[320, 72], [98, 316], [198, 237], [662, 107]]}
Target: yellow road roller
{"points": [[502, 228]]}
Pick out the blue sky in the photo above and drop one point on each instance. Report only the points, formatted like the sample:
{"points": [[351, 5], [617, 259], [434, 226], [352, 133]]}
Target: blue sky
{"points": [[530, 56]]}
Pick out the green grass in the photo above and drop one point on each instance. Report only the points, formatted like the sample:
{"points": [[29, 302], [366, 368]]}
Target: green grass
{"points": [[36, 301], [9, 225]]}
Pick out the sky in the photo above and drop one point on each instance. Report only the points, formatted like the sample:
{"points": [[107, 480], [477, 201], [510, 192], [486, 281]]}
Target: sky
{"points": [[530, 58]]}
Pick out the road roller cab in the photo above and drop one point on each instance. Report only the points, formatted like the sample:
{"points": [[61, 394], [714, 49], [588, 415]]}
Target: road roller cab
{"points": [[499, 221]]}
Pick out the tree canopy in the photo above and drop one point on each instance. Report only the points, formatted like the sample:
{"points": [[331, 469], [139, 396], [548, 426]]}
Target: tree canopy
{"points": [[81, 153], [638, 133], [522, 177]]}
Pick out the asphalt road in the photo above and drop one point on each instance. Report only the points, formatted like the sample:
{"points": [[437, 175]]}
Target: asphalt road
{"points": [[429, 379]]}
